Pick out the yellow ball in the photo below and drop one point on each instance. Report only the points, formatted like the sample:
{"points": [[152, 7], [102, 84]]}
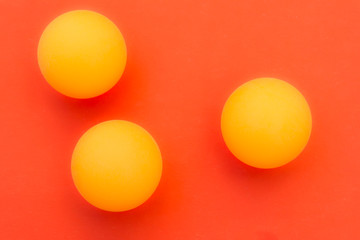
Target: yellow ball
{"points": [[266, 123], [82, 54], [116, 165]]}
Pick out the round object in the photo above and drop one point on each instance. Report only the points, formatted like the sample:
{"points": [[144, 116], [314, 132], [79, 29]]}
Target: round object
{"points": [[266, 123], [116, 165], [82, 54]]}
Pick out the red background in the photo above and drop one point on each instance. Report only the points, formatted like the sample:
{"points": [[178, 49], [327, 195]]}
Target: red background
{"points": [[184, 59]]}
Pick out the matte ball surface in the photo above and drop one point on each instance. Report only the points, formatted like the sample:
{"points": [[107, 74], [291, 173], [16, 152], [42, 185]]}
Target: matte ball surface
{"points": [[116, 165], [82, 54], [266, 123]]}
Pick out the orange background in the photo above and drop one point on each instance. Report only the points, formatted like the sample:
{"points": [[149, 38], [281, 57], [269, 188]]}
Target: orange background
{"points": [[184, 59]]}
